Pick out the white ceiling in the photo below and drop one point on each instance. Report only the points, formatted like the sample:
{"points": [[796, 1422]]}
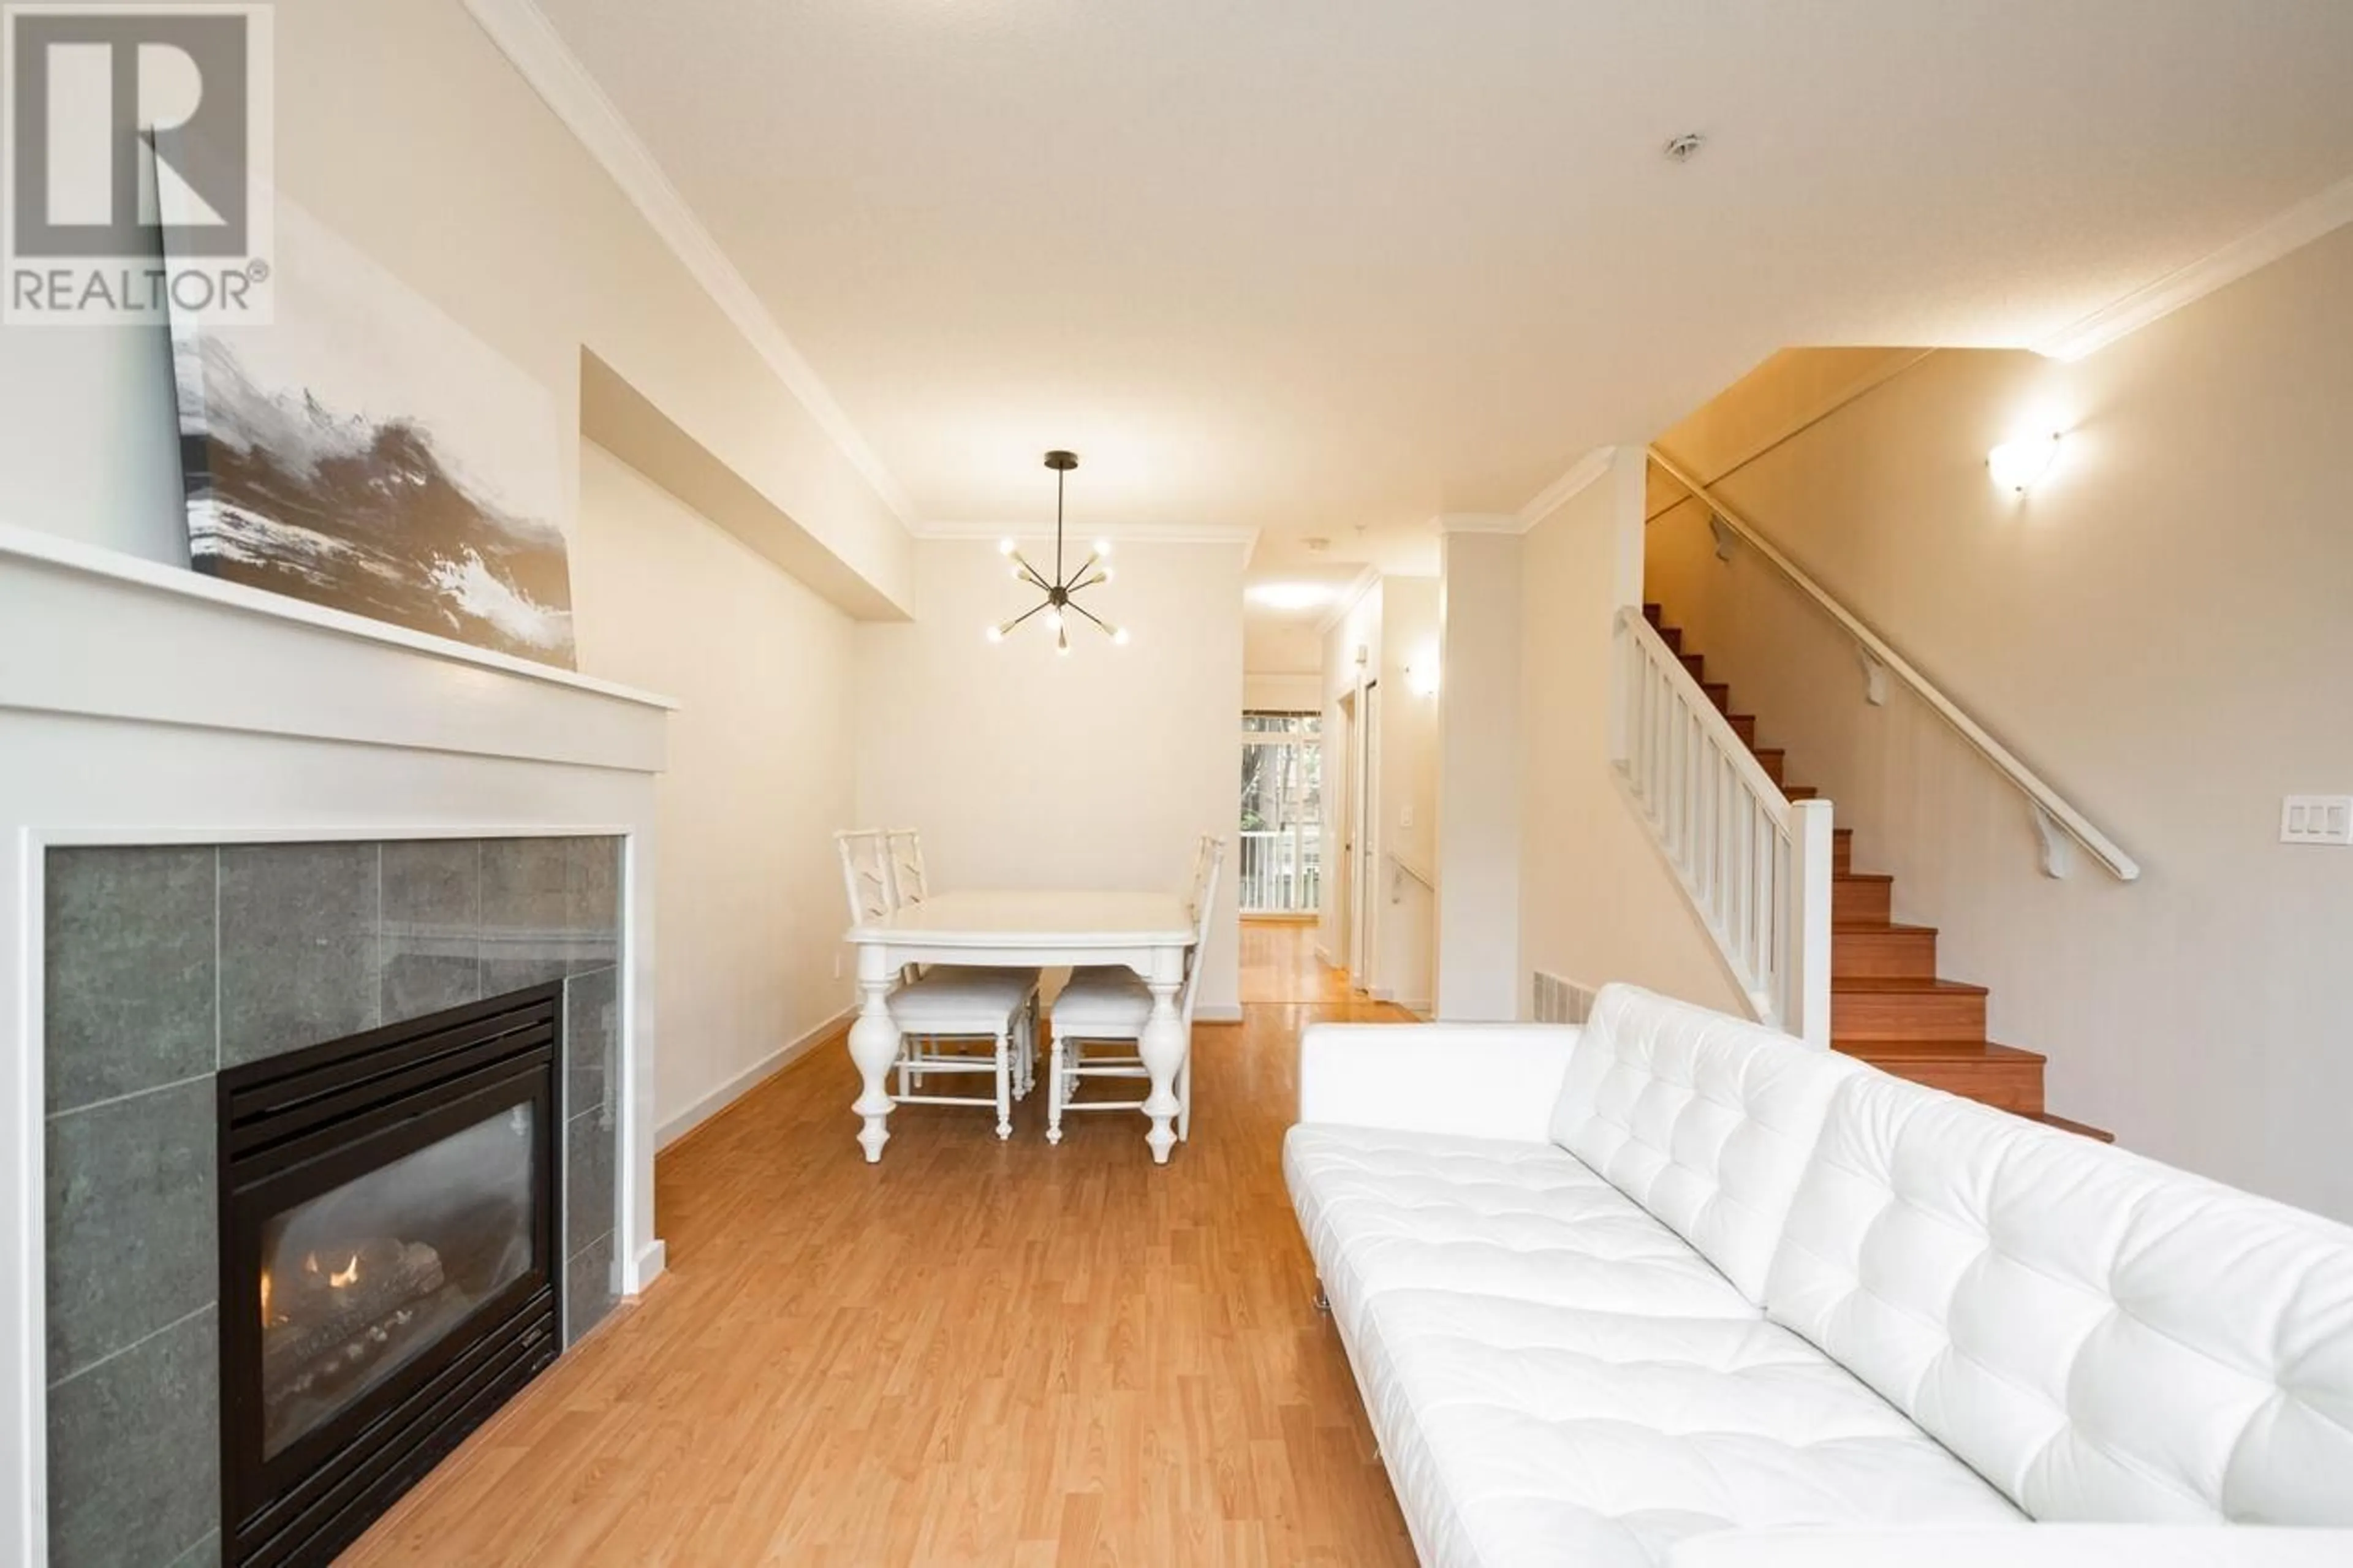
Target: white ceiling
{"points": [[1283, 609], [1332, 268]]}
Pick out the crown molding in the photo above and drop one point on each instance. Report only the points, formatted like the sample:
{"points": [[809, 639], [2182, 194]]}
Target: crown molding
{"points": [[1481, 523], [1129, 534], [1553, 496], [523, 34], [1350, 596], [2298, 226]]}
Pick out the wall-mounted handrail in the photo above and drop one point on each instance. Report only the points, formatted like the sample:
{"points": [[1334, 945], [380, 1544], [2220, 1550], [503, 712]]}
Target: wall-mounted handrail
{"points": [[2047, 802], [1755, 865], [1407, 868]]}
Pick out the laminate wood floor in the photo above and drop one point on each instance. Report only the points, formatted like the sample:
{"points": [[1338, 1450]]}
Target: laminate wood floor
{"points": [[975, 1353]]}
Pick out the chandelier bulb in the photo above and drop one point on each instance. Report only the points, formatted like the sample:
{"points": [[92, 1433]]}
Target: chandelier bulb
{"points": [[1102, 547], [1005, 547], [1119, 636], [995, 634]]}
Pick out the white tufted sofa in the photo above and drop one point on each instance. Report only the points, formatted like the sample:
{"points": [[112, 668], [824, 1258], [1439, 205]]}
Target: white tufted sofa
{"points": [[1673, 1289]]}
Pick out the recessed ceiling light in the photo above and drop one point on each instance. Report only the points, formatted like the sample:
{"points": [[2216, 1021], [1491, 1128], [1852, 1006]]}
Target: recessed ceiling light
{"points": [[1682, 149], [1290, 596]]}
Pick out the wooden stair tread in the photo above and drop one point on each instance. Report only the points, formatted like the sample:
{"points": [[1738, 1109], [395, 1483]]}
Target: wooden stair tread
{"points": [[1861, 949], [2081, 1130], [1905, 984], [1882, 1051], [1887, 877]]}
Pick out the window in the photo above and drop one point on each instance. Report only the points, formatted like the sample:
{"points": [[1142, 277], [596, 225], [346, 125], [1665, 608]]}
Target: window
{"points": [[1282, 813]]}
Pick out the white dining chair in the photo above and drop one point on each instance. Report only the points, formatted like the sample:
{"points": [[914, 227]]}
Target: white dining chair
{"points": [[1098, 1021], [1097, 973], [909, 887], [944, 1005]]}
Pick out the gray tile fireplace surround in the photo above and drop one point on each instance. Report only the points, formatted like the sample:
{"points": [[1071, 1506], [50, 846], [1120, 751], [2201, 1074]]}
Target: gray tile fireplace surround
{"points": [[163, 965]]}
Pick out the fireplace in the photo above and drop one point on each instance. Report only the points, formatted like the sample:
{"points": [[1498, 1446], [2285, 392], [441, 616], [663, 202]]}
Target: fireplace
{"points": [[390, 1262]]}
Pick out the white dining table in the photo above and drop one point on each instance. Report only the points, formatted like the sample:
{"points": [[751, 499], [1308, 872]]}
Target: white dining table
{"points": [[1148, 933]]}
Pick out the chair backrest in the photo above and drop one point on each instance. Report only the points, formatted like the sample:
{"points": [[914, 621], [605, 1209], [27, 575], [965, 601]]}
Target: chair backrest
{"points": [[1201, 849], [1205, 897], [902, 854], [865, 873], [905, 848]]}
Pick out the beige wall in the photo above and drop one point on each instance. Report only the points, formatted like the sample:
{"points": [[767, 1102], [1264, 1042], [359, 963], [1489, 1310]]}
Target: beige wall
{"points": [[2162, 629], [1356, 628], [1598, 901], [1099, 769], [1282, 693], [1771, 404], [1478, 974], [749, 910], [1406, 970], [402, 127]]}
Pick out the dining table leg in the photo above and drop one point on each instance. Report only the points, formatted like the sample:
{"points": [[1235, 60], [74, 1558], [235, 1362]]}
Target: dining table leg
{"points": [[873, 1045], [1163, 1048]]}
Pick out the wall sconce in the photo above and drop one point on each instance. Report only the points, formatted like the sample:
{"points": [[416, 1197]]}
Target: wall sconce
{"points": [[2020, 463]]}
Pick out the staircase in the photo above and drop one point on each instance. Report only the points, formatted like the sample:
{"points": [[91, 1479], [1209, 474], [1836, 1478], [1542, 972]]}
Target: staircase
{"points": [[1888, 1005]]}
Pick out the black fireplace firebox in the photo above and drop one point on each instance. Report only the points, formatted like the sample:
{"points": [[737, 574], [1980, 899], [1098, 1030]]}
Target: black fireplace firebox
{"points": [[389, 1263]]}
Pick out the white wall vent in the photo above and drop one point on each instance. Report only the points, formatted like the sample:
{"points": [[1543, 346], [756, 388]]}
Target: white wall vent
{"points": [[1559, 1001]]}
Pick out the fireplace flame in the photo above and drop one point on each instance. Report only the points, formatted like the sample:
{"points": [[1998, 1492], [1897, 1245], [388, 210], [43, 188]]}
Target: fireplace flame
{"points": [[347, 1274], [265, 1298]]}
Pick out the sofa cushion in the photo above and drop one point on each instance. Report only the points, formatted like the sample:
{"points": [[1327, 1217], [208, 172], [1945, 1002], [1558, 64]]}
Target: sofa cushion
{"points": [[2102, 1337], [1518, 1433], [1705, 1121], [1386, 1211]]}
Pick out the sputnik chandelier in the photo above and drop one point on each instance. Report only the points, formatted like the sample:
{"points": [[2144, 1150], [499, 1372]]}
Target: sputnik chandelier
{"points": [[1061, 593]]}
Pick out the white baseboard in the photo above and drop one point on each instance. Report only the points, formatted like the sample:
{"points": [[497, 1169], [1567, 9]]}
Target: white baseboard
{"points": [[650, 1266], [735, 1087], [1223, 1013]]}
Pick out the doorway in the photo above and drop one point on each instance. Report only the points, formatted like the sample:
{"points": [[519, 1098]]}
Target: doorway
{"points": [[1282, 829]]}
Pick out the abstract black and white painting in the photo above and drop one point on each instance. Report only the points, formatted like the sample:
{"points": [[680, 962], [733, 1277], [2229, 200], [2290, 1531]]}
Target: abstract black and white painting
{"points": [[364, 451]]}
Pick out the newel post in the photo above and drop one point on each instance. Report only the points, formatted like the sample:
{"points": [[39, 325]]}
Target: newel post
{"points": [[1625, 654], [1809, 932]]}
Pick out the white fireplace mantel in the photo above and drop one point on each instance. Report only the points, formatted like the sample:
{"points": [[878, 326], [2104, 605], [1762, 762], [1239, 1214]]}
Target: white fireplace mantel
{"points": [[145, 704]]}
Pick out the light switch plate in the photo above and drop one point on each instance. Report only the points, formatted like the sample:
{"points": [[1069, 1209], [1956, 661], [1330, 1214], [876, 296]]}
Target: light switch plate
{"points": [[2317, 819]]}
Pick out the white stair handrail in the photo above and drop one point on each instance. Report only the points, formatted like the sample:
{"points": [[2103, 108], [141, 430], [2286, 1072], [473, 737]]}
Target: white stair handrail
{"points": [[2049, 807], [1404, 868], [1755, 865]]}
